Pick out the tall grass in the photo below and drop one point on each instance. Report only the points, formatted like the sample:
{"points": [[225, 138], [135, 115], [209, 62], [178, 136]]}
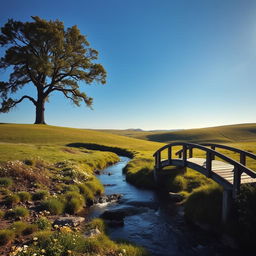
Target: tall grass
{"points": [[204, 205]]}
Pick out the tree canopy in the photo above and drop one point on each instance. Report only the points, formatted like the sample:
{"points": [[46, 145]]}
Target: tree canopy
{"points": [[51, 58]]}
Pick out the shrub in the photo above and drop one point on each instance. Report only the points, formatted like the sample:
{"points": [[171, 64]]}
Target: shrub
{"points": [[5, 182], [131, 250], [97, 223], [73, 206], [53, 205], [71, 188], [6, 236], [140, 172], [74, 202], [24, 196], [1, 214], [246, 207], [31, 228], [58, 243], [44, 237], [86, 192], [17, 212], [27, 174], [43, 223], [18, 227], [75, 172], [11, 199], [40, 195], [24, 228], [204, 204], [95, 186]]}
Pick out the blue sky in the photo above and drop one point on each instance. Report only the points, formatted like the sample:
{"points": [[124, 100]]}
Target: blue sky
{"points": [[171, 63]]}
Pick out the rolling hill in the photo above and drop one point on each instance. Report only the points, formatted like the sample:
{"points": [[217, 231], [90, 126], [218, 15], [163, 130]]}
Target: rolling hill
{"points": [[220, 134]]}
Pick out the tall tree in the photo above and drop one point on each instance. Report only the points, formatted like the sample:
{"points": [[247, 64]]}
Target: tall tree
{"points": [[51, 58]]}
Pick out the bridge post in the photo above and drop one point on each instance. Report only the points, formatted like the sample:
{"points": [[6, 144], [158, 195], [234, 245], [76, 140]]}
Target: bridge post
{"points": [[226, 204], [169, 155], [209, 163], [184, 153], [242, 158], [213, 156], [190, 152], [236, 182], [157, 166]]}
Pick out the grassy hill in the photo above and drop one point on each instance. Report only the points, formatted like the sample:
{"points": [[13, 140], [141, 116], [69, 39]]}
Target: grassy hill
{"points": [[25, 140], [220, 134]]}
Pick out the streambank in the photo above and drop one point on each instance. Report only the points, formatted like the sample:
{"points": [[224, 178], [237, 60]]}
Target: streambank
{"points": [[151, 220]]}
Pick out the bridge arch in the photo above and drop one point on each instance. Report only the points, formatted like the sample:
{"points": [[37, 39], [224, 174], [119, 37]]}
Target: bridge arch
{"points": [[228, 172]]}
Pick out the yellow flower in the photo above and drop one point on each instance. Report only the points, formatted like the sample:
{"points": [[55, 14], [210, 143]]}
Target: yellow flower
{"points": [[43, 250], [65, 229]]}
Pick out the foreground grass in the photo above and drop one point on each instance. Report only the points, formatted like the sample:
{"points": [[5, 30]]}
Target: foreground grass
{"points": [[46, 172], [66, 240]]}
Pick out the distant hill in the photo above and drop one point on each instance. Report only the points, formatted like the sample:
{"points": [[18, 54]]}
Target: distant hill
{"points": [[220, 134], [136, 133]]}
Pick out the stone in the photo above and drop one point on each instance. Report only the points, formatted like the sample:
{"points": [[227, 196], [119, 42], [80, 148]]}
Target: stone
{"points": [[176, 197], [108, 198], [120, 214], [69, 221], [113, 215], [92, 233]]}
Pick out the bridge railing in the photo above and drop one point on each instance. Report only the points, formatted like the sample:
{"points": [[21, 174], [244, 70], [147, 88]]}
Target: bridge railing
{"points": [[211, 153], [243, 154]]}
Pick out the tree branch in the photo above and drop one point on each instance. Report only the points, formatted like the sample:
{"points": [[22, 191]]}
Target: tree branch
{"points": [[10, 103], [24, 97]]}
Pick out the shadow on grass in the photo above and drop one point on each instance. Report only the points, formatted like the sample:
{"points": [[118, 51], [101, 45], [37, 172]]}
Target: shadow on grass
{"points": [[92, 146]]}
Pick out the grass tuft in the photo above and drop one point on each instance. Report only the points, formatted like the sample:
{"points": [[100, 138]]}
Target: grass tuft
{"points": [[53, 205], [6, 182], [6, 236], [40, 195], [17, 212], [24, 196]]}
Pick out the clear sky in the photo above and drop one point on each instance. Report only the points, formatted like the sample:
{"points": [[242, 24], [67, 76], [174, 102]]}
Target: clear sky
{"points": [[171, 63]]}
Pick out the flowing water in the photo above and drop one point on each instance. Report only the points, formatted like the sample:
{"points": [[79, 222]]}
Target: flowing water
{"points": [[158, 225]]}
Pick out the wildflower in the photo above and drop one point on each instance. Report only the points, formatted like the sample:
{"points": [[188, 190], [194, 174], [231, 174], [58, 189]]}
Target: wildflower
{"points": [[25, 246], [69, 251], [34, 254], [56, 226], [55, 240], [35, 238], [43, 250]]}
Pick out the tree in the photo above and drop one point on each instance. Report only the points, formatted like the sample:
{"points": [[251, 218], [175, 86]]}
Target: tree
{"points": [[49, 57]]}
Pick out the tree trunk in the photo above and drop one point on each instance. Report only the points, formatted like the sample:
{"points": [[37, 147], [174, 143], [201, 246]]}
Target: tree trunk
{"points": [[40, 112]]}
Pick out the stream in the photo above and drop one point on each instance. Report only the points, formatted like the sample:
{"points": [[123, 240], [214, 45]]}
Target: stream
{"points": [[157, 225]]}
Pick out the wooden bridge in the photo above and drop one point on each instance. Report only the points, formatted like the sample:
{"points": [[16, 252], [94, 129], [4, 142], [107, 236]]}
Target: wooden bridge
{"points": [[226, 171]]}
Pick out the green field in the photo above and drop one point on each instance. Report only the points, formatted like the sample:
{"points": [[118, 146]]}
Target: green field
{"points": [[70, 156]]}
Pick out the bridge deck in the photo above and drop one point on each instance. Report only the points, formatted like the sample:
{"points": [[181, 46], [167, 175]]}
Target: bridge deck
{"points": [[223, 169]]}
